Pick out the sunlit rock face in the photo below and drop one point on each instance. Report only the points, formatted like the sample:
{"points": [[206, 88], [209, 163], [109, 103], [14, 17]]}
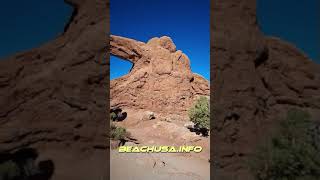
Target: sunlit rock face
{"points": [[160, 79]]}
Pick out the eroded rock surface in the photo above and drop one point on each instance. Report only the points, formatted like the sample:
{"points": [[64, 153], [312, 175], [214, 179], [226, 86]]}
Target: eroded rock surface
{"points": [[53, 98], [160, 79], [256, 79]]}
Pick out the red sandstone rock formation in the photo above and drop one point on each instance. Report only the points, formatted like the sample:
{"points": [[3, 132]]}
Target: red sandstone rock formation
{"points": [[53, 98], [256, 80], [160, 79]]}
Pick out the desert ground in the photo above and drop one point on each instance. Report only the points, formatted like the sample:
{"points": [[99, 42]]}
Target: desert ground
{"points": [[160, 131]]}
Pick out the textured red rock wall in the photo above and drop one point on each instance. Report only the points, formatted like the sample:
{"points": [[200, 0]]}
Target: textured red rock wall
{"points": [[256, 79], [54, 98], [160, 79]]}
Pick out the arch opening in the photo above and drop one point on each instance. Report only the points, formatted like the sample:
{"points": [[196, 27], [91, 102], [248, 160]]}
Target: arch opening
{"points": [[119, 67]]}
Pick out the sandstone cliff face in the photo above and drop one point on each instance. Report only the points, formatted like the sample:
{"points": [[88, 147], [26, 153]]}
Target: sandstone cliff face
{"points": [[256, 79], [53, 98], [160, 79]]}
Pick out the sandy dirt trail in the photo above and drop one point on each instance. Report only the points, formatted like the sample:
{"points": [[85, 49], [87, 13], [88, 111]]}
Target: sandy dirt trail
{"points": [[136, 166], [160, 166]]}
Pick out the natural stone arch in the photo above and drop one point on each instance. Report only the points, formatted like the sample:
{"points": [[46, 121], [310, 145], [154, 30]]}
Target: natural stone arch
{"points": [[126, 49], [161, 77]]}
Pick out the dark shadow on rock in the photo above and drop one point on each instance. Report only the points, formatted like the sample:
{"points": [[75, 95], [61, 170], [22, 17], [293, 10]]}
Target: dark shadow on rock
{"points": [[20, 165], [199, 131], [116, 110], [122, 142], [46, 169], [120, 116]]}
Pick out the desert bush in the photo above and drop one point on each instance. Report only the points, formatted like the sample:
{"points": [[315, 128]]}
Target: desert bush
{"points": [[118, 133], [199, 114], [9, 170], [291, 153]]}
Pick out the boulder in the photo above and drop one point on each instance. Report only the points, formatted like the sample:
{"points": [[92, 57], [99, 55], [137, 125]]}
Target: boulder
{"points": [[189, 125], [148, 115]]}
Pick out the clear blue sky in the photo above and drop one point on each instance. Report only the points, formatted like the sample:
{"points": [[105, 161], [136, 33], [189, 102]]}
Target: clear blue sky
{"points": [[28, 24], [293, 20], [186, 22]]}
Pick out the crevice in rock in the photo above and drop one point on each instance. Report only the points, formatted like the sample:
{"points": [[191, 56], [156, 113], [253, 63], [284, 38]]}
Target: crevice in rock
{"points": [[17, 106], [192, 79], [73, 15], [89, 58], [97, 79], [6, 114], [288, 101], [312, 87], [74, 105], [265, 84], [232, 116], [26, 135], [292, 88], [100, 147], [262, 57]]}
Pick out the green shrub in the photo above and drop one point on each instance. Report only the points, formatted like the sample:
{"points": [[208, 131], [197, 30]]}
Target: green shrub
{"points": [[113, 116], [291, 153], [199, 113], [118, 133], [9, 170]]}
